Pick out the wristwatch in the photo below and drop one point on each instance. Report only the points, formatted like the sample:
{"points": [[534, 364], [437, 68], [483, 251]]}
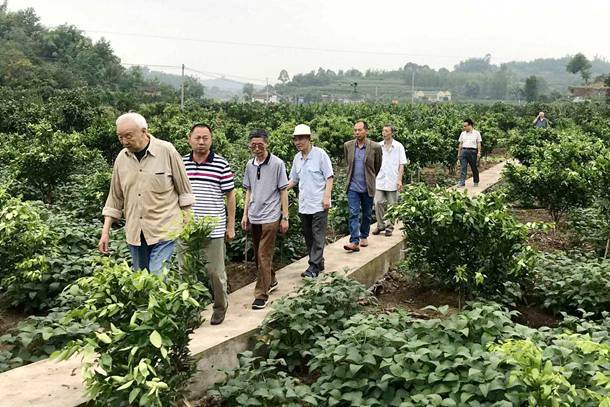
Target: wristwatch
{"points": [[284, 217]]}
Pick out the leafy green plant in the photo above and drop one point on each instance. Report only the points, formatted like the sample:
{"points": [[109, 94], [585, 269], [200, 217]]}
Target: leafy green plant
{"points": [[472, 244], [561, 177], [570, 282], [140, 353], [262, 382], [320, 307]]}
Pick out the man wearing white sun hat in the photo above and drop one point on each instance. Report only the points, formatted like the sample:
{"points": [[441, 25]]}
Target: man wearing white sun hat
{"points": [[312, 171]]}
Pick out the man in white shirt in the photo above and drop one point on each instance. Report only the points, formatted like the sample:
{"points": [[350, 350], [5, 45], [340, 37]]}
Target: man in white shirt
{"points": [[389, 180], [469, 151]]}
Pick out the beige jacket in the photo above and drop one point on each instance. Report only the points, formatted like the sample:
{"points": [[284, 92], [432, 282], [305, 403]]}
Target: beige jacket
{"points": [[149, 193]]}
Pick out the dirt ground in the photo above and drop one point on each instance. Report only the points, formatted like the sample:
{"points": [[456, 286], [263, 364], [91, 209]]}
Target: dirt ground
{"points": [[9, 318], [557, 238], [397, 292]]}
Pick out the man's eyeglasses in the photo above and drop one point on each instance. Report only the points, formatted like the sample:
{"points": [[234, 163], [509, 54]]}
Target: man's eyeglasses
{"points": [[255, 146]]}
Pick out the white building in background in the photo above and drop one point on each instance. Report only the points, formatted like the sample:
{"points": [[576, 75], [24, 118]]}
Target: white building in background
{"points": [[433, 95]]}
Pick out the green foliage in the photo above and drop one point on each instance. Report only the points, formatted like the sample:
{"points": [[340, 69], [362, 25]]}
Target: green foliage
{"points": [[23, 232], [260, 382], [472, 244], [320, 307], [569, 282], [140, 353], [561, 175]]}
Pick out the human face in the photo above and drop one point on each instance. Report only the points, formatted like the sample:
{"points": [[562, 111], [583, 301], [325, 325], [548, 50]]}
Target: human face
{"points": [[467, 127], [386, 133], [200, 140], [360, 132], [131, 137], [302, 142], [541, 115], [258, 145]]}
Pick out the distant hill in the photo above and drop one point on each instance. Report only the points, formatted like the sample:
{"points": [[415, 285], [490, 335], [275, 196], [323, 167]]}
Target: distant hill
{"points": [[472, 79]]}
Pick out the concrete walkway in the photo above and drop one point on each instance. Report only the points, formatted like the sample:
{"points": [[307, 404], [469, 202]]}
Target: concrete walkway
{"points": [[52, 384]]}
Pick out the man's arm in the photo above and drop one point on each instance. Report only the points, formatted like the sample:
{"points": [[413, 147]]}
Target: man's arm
{"points": [[112, 209], [401, 171], [104, 244], [459, 149], [291, 184], [378, 158], [182, 185], [479, 149], [244, 219], [328, 189], [284, 203], [231, 205]]}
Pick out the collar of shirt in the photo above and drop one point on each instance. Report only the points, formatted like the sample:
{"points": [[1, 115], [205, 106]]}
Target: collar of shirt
{"points": [[208, 160], [256, 163], [153, 148]]}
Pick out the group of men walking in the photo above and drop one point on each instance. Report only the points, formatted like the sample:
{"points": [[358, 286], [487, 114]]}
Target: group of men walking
{"points": [[157, 190]]}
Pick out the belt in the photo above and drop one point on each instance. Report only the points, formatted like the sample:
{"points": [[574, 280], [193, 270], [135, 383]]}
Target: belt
{"points": [[468, 148]]}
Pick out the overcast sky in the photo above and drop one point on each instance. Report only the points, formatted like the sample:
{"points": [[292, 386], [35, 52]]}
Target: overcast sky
{"points": [[227, 37]]}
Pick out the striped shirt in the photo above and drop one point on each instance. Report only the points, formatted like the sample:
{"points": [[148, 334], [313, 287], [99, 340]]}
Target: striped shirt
{"points": [[210, 181]]}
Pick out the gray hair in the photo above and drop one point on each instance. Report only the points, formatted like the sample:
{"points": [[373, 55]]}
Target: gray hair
{"points": [[134, 117]]}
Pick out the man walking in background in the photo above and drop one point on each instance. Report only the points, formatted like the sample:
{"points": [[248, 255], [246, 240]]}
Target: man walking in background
{"points": [[212, 182], [150, 187], [469, 151], [312, 171], [265, 211], [540, 121], [389, 179], [363, 158]]}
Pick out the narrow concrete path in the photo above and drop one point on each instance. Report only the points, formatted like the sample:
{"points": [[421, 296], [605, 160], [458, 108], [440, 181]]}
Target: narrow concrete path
{"points": [[52, 384]]}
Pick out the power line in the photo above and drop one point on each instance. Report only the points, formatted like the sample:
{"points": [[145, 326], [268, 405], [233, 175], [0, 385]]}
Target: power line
{"points": [[279, 46]]}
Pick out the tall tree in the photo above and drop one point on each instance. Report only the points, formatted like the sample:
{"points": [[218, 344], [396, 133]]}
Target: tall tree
{"points": [[248, 91], [580, 63], [531, 88], [283, 77]]}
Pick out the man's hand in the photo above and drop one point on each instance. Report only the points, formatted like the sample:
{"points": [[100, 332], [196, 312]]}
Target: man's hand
{"points": [[244, 222], [230, 233], [284, 226], [326, 202], [187, 215], [104, 244], [399, 186]]}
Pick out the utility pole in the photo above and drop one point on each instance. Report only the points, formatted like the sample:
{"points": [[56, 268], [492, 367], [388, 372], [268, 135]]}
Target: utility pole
{"points": [[182, 90], [267, 88], [412, 85]]}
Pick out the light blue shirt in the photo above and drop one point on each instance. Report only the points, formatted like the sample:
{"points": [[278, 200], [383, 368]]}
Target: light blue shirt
{"points": [[358, 182], [311, 174]]}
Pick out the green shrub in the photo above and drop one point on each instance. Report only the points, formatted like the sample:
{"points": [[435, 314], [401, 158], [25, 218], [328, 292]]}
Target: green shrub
{"points": [[566, 283], [140, 353], [473, 244], [23, 232], [561, 177], [320, 307]]}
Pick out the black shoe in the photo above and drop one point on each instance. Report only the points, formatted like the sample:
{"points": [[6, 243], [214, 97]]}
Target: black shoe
{"points": [[274, 286], [388, 232], [259, 304], [310, 273], [217, 319]]}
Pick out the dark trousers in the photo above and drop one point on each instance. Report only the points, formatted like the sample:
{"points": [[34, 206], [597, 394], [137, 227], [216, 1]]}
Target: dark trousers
{"points": [[263, 239], [314, 230], [468, 157]]}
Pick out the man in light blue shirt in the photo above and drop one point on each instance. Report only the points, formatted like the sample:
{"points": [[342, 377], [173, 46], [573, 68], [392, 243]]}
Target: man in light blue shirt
{"points": [[312, 171]]}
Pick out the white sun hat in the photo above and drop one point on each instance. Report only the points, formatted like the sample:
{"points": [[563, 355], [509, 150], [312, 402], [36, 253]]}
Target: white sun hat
{"points": [[302, 130]]}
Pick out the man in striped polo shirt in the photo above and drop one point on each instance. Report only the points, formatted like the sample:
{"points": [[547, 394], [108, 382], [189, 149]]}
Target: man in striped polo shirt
{"points": [[212, 181]]}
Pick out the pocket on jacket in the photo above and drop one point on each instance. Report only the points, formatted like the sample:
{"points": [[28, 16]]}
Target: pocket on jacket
{"points": [[161, 182]]}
